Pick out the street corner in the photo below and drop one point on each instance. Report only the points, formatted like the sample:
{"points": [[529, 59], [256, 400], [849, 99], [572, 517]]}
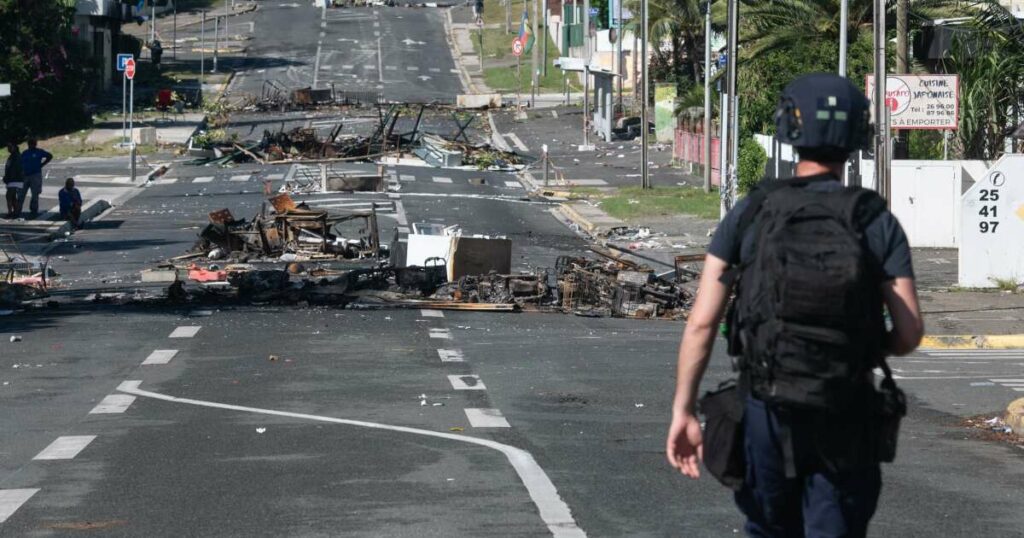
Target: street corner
{"points": [[979, 341], [1014, 417], [589, 218]]}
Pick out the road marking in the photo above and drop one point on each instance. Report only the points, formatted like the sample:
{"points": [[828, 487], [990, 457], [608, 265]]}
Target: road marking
{"points": [[112, 403], [380, 63], [376, 24], [241, 177], [348, 67], [442, 334], [391, 67], [204, 179], [12, 499], [1007, 380], [431, 313], [316, 66], [553, 510], [326, 67], [554, 114], [370, 67], [454, 71], [275, 177], [376, 33], [514, 184], [442, 180], [402, 219], [451, 355], [167, 181], [486, 418], [588, 182], [65, 447], [406, 177], [160, 356], [519, 143], [466, 382], [412, 68], [185, 331], [434, 70]]}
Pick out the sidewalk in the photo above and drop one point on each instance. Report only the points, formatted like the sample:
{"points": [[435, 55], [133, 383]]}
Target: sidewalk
{"points": [[463, 49]]}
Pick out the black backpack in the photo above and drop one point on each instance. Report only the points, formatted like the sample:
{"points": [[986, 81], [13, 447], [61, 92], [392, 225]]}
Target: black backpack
{"points": [[807, 320]]}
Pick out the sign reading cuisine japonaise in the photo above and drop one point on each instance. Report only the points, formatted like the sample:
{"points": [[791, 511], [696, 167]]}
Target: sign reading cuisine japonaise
{"points": [[920, 101]]}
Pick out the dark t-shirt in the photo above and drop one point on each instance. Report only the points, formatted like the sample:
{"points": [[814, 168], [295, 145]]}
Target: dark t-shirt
{"points": [[884, 237]]}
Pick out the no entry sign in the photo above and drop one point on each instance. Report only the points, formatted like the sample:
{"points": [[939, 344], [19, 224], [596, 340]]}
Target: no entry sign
{"points": [[129, 69]]}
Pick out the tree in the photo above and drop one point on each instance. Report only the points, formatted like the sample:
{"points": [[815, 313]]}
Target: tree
{"points": [[681, 24], [989, 57], [44, 67]]}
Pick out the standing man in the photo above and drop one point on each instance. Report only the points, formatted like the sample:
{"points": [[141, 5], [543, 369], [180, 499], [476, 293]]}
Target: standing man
{"points": [[32, 162], [14, 180], [812, 264]]}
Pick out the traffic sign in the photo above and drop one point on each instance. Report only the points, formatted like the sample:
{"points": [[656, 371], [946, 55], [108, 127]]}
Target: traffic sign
{"points": [[129, 69], [122, 59], [517, 47], [992, 225]]}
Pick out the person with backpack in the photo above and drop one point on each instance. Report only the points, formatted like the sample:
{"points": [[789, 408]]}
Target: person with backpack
{"points": [[822, 289]]}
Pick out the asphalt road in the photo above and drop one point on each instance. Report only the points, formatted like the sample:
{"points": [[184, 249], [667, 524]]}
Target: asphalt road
{"points": [[400, 53], [315, 421]]}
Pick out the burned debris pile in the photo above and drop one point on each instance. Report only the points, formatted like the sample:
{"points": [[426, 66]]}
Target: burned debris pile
{"points": [[354, 134]]}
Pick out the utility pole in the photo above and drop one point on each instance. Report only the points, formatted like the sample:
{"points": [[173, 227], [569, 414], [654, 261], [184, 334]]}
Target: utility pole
{"points": [[586, 76], [618, 51], [508, 16], [535, 55], [881, 111], [707, 95], [645, 177], [216, 40], [728, 184], [202, 51], [175, 49], [544, 40], [844, 16], [900, 144], [152, 24]]}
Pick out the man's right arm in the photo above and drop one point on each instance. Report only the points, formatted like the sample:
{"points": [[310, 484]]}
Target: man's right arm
{"points": [[900, 297]]}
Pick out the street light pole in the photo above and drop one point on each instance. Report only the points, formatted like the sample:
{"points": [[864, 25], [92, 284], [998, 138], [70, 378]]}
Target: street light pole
{"points": [[175, 49], [707, 96], [216, 40], [202, 51], [152, 24], [844, 15], [618, 51], [645, 178], [881, 111], [728, 185]]}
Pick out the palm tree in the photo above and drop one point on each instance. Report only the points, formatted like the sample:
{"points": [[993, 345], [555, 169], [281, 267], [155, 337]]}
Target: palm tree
{"points": [[681, 22]]}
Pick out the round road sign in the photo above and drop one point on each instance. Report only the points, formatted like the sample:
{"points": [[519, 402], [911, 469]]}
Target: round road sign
{"points": [[517, 47], [129, 68]]}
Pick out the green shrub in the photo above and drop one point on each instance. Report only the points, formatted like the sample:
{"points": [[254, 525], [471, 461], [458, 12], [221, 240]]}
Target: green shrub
{"points": [[753, 160]]}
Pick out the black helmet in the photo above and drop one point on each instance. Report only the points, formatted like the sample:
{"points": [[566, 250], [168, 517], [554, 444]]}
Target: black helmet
{"points": [[824, 111]]}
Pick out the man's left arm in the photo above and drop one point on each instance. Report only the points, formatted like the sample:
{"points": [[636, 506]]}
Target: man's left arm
{"points": [[47, 157], [684, 446]]}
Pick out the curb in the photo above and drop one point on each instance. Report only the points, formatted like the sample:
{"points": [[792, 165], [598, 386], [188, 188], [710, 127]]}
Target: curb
{"points": [[981, 341], [573, 216], [92, 210], [464, 78], [248, 9], [1015, 416]]}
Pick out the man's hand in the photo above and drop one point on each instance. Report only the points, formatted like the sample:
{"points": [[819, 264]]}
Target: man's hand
{"points": [[685, 445]]}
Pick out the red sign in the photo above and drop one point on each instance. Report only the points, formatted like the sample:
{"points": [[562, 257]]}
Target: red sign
{"points": [[517, 47], [129, 69]]}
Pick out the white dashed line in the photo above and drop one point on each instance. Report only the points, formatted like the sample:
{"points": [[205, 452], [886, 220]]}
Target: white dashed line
{"points": [[113, 403], [514, 184], [348, 67], [275, 177], [185, 331], [160, 356], [434, 70], [454, 71], [391, 68], [442, 334], [12, 499], [451, 355], [442, 180], [550, 506], [241, 177], [466, 382], [554, 114], [432, 313], [515, 140], [486, 418], [370, 67], [588, 182], [412, 68], [405, 177], [65, 447], [204, 179]]}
